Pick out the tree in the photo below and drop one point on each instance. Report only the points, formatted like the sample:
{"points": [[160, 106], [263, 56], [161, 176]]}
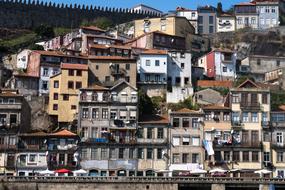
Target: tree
{"points": [[100, 22], [36, 47], [145, 104], [219, 8], [44, 31]]}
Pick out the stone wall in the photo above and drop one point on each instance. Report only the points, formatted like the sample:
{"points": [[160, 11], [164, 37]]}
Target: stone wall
{"points": [[30, 14]]}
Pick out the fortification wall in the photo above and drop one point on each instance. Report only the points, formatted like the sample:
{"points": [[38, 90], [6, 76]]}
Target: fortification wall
{"points": [[30, 14]]}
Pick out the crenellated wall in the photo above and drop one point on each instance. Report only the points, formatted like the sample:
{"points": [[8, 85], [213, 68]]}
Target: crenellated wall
{"points": [[30, 14]]}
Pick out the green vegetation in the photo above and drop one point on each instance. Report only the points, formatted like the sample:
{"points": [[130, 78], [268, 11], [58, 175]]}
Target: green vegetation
{"points": [[277, 99], [145, 105], [219, 8], [187, 103], [241, 79], [61, 31], [13, 44], [44, 31], [100, 22]]}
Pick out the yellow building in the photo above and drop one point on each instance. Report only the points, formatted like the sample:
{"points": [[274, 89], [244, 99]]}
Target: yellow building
{"points": [[64, 89], [172, 25]]}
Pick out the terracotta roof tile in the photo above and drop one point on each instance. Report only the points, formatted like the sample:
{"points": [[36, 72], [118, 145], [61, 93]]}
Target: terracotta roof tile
{"points": [[110, 58], [154, 52], [96, 87], [93, 28], [64, 133], [216, 107], [154, 119], [282, 107], [186, 110], [101, 46], [35, 134], [9, 94], [74, 66], [213, 83]]}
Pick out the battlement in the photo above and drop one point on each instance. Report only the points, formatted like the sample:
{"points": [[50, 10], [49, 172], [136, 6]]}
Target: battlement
{"points": [[30, 14]]}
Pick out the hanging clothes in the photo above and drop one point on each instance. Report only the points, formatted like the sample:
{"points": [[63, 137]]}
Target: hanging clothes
{"points": [[208, 145]]}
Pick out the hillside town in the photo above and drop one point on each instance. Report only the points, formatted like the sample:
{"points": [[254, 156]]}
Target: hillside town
{"points": [[159, 96]]}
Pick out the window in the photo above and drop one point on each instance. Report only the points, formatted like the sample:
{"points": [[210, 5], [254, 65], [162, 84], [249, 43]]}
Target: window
{"points": [[56, 84], [159, 153], [224, 69], [70, 84], [112, 152], [131, 153], [94, 154], [45, 85], [149, 133], [157, 78], [113, 114], [175, 122], [157, 63], [235, 98], [13, 118], [175, 158], [195, 123], [227, 156], [65, 97], [279, 156], [84, 132], [253, 20], [236, 156], [186, 141], [266, 156], [147, 62], [160, 133], [85, 113], [97, 67], [279, 138], [182, 65], [176, 141], [245, 117], [245, 156], [226, 116], [104, 113], [211, 20], [45, 72], [55, 107], [121, 153], [123, 114], [140, 133], [208, 116], [185, 158], [254, 117], [73, 107], [140, 153], [195, 158], [71, 72], [200, 19], [211, 29], [94, 132], [264, 99], [177, 80], [254, 137], [195, 141], [149, 154], [104, 155], [147, 77], [255, 156], [95, 113], [78, 85], [127, 66], [186, 80], [245, 137], [78, 73], [107, 78], [182, 55], [185, 122], [239, 20], [258, 61], [94, 96], [235, 116], [55, 96]]}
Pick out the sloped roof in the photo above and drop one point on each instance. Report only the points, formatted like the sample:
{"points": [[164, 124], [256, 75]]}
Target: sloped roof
{"points": [[154, 52], [186, 110], [95, 28], [119, 82], [154, 119], [245, 4], [64, 133], [35, 134], [74, 66], [96, 87], [213, 83], [247, 83], [216, 107], [110, 58]]}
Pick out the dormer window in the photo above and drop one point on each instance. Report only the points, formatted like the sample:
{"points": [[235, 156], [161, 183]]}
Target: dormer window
{"points": [[105, 96], [83, 96]]}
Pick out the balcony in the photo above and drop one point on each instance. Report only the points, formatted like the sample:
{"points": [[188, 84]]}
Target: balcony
{"points": [[152, 141], [154, 82], [54, 165], [237, 145], [14, 106], [7, 147], [237, 125], [250, 106], [119, 71], [62, 147], [266, 124]]}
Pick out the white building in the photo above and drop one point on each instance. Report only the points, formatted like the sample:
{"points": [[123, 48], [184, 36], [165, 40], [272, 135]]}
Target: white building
{"points": [[23, 59], [225, 65], [246, 15], [226, 23], [46, 71], [191, 15], [152, 71], [179, 85], [147, 9], [268, 11]]}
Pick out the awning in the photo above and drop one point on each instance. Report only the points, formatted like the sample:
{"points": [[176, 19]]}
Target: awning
{"points": [[263, 171], [46, 172], [62, 171], [81, 171], [218, 170]]}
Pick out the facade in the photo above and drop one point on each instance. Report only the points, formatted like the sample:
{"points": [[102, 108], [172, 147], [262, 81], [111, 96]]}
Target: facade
{"points": [[191, 15], [152, 72], [208, 96], [246, 15], [64, 88], [276, 77], [207, 20], [186, 135], [23, 58], [107, 124], [250, 107], [109, 50], [226, 23], [179, 75], [153, 145], [268, 13], [258, 65], [106, 70], [147, 9], [219, 64]]}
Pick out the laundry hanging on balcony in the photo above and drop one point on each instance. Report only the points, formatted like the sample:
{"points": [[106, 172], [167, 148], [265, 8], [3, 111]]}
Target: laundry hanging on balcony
{"points": [[208, 145]]}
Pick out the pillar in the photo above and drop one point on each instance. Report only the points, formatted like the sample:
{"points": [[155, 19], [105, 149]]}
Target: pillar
{"points": [[218, 187]]}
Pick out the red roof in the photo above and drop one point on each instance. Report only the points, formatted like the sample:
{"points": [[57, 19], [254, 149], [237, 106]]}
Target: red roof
{"points": [[93, 28], [216, 107], [154, 52], [101, 46], [246, 4], [62, 171], [64, 133], [74, 66], [186, 110], [213, 83], [110, 58], [154, 119]]}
